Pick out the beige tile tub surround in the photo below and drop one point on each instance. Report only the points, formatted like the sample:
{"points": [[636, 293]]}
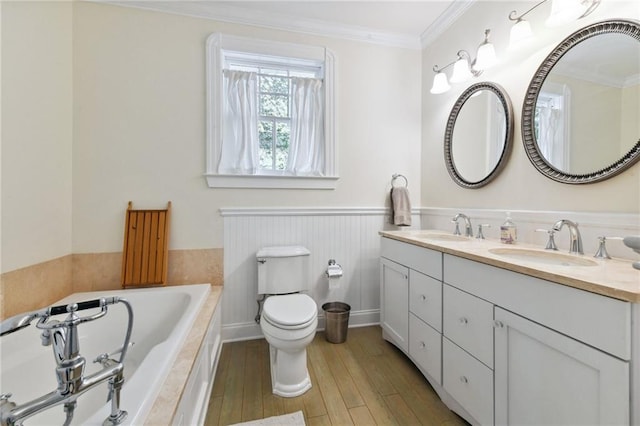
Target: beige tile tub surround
{"points": [[101, 271], [42, 284], [609, 277], [35, 286]]}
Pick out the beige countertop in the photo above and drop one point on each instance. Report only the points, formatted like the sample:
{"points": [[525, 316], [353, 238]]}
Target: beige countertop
{"points": [[166, 402], [609, 277]]}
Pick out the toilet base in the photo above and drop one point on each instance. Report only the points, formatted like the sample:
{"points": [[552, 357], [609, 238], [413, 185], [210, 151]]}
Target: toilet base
{"points": [[289, 373]]}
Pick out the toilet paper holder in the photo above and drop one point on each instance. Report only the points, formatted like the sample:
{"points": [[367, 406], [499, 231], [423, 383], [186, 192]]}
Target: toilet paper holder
{"points": [[334, 270]]}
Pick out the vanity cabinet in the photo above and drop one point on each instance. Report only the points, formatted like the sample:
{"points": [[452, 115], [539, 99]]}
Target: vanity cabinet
{"points": [[500, 347]]}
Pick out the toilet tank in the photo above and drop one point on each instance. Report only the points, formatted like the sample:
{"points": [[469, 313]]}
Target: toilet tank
{"points": [[283, 269]]}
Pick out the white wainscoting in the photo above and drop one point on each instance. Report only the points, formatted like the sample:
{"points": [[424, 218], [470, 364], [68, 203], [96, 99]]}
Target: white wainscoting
{"points": [[348, 235]]}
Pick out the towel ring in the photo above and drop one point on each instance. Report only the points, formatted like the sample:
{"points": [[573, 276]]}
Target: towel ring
{"points": [[396, 176]]}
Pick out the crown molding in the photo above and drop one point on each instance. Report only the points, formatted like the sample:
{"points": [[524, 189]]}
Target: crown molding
{"points": [[455, 10], [246, 16]]}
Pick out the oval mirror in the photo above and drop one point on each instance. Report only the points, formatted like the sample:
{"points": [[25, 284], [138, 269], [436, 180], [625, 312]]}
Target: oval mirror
{"points": [[580, 115], [479, 134]]}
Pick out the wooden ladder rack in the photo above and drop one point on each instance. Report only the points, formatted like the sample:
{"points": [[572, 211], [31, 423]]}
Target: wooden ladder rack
{"points": [[145, 253]]}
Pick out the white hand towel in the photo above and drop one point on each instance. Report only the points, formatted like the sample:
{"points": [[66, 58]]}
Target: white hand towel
{"points": [[400, 206]]}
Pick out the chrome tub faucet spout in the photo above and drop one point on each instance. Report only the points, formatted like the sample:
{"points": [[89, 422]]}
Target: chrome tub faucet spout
{"points": [[63, 337], [575, 239]]}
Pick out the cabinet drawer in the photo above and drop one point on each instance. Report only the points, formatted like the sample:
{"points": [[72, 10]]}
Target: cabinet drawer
{"points": [[425, 345], [468, 381], [425, 299], [468, 322], [419, 258]]}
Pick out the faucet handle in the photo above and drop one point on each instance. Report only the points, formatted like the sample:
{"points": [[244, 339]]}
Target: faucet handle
{"points": [[480, 235], [551, 242], [602, 253], [602, 249]]}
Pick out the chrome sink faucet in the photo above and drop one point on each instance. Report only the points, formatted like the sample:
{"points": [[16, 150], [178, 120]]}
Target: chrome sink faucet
{"points": [[63, 337], [575, 239], [468, 229]]}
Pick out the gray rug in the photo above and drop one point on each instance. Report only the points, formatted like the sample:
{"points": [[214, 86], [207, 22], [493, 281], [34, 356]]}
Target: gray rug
{"points": [[291, 419]]}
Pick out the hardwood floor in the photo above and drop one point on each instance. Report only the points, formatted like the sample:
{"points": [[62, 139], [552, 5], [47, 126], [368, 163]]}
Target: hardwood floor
{"points": [[364, 381]]}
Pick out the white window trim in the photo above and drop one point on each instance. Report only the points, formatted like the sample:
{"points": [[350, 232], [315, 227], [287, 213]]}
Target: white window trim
{"points": [[217, 43]]}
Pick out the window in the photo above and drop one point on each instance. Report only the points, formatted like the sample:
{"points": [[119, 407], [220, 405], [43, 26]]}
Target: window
{"points": [[550, 117], [270, 115]]}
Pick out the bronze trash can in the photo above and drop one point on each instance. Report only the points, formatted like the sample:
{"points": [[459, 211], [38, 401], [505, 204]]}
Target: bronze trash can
{"points": [[336, 316]]}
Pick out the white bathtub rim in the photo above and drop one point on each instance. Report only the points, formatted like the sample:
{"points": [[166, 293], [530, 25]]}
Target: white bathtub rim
{"points": [[152, 388]]}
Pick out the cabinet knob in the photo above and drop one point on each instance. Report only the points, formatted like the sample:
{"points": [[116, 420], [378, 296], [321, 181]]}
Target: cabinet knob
{"points": [[498, 324], [464, 379], [423, 298], [423, 345], [464, 321]]}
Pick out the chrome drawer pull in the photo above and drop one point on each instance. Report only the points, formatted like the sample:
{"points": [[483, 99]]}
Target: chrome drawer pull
{"points": [[464, 379]]}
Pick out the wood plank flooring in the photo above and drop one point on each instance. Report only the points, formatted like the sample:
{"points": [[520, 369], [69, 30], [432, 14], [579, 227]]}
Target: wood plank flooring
{"points": [[364, 381]]}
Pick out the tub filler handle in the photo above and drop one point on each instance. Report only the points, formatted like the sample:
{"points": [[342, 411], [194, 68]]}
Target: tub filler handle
{"points": [[63, 337]]}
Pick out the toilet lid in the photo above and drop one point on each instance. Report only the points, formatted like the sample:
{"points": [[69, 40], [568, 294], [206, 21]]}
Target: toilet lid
{"points": [[289, 310]]}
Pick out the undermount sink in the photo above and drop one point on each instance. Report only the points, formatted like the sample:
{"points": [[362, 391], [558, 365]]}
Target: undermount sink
{"points": [[442, 237], [544, 257]]}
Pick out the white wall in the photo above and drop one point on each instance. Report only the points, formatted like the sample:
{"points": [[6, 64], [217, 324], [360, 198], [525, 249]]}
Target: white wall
{"points": [[139, 125], [520, 186], [36, 132]]}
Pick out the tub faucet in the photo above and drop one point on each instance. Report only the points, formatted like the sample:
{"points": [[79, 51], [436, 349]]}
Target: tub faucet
{"points": [[468, 229], [63, 337], [575, 239]]}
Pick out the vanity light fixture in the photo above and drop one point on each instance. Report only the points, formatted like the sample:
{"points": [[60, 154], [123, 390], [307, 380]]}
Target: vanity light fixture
{"points": [[440, 82], [562, 12], [486, 56], [464, 68]]}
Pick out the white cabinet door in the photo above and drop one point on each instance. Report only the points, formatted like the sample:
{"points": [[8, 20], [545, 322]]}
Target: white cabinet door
{"points": [[394, 302], [543, 377]]}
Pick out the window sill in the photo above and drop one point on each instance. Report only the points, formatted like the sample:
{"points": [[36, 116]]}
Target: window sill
{"points": [[271, 182]]}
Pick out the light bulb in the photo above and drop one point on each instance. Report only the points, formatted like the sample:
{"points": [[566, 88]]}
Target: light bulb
{"points": [[520, 34], [440, 84], [486, 56], [461, 71]]}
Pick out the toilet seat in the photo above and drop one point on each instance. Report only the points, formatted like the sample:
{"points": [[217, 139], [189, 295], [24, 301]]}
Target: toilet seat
{"points": [[290, 311]]}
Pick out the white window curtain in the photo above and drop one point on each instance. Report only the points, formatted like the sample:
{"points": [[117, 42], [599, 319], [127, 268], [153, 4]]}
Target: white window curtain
{"points": [[239, 153], [550, 136], [306, 144]]}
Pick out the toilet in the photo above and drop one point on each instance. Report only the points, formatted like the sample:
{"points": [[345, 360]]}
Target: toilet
{"points": [[289, 317]]}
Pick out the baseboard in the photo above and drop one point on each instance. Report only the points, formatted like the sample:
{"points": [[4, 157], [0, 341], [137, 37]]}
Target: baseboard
{"points": [[251, 331]]}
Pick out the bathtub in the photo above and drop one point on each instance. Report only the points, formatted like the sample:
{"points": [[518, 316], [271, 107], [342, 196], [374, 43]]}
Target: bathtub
{"points": [[163, 318]]}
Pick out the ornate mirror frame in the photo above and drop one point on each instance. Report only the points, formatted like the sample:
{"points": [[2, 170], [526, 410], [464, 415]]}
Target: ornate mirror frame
{"points": [[505, 101], [619, 26]]}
